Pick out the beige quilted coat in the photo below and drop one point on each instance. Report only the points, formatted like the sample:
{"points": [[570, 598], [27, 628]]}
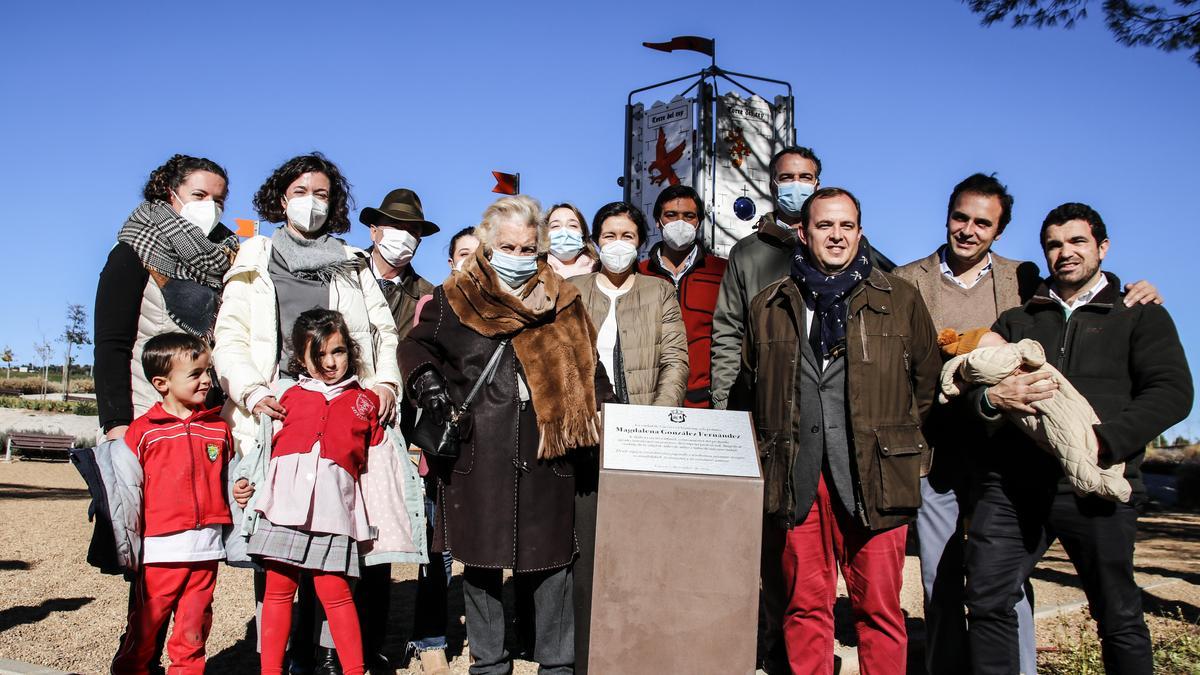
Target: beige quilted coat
{"points": [[1063, 425]]}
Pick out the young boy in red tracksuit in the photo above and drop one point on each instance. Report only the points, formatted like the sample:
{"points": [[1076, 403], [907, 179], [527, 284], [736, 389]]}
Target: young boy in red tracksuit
{"points": [[183, 449]]}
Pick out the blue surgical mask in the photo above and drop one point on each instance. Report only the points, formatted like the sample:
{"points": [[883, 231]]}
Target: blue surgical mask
{"points": [[514, 270], [565, 243], [791, 196]]}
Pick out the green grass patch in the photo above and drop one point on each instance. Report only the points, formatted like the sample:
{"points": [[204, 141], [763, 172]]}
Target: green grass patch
{"points": [[1076, 649]]}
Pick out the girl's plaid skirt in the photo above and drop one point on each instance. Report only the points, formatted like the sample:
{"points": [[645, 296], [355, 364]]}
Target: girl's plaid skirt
{"points": [[336, 553]]}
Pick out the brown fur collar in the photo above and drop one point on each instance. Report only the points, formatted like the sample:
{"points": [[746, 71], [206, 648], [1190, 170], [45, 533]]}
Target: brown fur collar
{"points": [[554, 341]]}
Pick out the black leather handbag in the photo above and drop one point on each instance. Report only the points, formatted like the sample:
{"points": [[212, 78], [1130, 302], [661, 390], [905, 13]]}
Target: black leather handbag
{"points": [[442, 440]]}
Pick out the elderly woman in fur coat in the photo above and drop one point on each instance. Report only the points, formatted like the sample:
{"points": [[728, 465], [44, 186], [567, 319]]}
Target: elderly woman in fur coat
{"points": [[506, 502]]}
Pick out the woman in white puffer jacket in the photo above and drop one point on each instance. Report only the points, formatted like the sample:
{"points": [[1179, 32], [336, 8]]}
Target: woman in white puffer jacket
{"points": [[273, 280]]}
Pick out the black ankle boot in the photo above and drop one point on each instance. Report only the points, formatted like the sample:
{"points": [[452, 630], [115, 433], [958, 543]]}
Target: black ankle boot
{"points": [[327, 662], [378, 664]]}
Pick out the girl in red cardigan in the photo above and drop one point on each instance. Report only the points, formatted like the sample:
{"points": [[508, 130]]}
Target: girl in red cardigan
{"points": [[312, 505]]}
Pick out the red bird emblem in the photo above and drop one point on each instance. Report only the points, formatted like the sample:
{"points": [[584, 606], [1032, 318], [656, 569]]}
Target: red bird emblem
{"points": [[664, 159]]}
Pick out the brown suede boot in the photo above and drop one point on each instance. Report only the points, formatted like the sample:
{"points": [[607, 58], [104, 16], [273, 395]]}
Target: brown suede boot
{"points": [[433, 662]]}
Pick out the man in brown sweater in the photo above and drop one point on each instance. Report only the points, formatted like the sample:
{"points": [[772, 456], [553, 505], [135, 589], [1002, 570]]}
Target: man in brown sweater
{"points": [[965, 285]]}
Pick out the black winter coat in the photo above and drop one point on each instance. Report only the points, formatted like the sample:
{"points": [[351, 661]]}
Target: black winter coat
{"points": [[497, 505], [1126, 361]]}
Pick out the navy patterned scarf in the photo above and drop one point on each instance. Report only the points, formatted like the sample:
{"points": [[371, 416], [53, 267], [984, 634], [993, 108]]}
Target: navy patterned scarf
{"points": [[829, 293]]}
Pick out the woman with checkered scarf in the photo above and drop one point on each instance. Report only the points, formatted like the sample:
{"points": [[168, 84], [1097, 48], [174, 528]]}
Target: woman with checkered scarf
{"points": [[163, 276]]}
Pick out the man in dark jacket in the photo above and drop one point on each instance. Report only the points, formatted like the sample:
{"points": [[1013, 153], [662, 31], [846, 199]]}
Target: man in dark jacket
{"points": [[1129, 364], [761, 259], [397, 227], [839, 366], [696, 274]]}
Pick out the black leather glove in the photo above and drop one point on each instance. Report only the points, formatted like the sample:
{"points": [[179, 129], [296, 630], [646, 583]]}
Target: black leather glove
{"points": [[430, 390]]}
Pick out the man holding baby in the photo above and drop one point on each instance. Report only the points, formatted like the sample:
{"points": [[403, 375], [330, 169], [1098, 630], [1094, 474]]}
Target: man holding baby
{"points": [[1127, 361]]}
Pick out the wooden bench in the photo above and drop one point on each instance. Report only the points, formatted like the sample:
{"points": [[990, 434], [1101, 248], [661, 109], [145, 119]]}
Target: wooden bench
{"points": [[44, 446]]}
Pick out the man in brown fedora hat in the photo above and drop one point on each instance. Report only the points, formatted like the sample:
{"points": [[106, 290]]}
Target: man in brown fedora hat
{"points": [[397, 227]]}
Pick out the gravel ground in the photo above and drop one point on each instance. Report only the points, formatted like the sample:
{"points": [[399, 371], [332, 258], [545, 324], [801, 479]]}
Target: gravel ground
{"points": [[57, 611]]}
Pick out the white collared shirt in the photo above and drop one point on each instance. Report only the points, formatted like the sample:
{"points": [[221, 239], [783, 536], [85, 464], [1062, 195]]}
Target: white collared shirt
{"points": [[1081, 299], [330, 391], [950, 273], [687, 263], [396, 273], [810, 313]]}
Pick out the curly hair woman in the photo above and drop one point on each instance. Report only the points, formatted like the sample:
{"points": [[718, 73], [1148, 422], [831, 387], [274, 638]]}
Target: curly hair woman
{"points": [[163, 276]]}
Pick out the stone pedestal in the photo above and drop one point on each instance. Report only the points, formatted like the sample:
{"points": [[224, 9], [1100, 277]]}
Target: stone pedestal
{"points": [[676, 569]]}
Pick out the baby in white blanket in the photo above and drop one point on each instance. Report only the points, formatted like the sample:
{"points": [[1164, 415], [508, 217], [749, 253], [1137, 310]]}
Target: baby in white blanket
{"points": [[1063, 424]]}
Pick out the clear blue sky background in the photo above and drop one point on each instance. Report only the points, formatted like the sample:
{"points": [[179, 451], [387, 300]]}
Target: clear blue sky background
{"points": [[900, 100]]}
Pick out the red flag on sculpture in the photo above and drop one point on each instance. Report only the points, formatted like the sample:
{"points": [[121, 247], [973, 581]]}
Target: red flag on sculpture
{"points": [[507, 183], [689, 42]]}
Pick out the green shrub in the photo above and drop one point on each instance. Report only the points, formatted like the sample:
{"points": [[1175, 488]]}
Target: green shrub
{"points": [[85, 408], [28, 385], [33, 385]]}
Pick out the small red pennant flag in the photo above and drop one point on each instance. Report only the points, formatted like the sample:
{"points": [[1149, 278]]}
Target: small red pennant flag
{"points": [[507, 183], [246, 228], [688, 42]]}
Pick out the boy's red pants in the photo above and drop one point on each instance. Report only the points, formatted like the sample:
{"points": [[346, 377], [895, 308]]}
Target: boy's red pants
{"points": [[187, 590]]}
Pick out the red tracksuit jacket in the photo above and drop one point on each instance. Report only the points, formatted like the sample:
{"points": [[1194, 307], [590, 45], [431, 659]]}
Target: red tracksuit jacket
{"points": [[184, 465]]}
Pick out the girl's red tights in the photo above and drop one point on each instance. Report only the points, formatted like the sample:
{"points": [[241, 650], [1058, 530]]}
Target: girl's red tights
{"points": [[334, 593]]}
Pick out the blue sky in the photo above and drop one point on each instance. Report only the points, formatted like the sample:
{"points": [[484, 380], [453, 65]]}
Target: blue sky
{"points": [[900, 100]]}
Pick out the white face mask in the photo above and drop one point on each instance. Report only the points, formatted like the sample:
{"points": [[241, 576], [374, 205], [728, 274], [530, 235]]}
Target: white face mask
{"points": [[617, 256], [203, 214], [397, 246], [679, 234], [307, 214]]}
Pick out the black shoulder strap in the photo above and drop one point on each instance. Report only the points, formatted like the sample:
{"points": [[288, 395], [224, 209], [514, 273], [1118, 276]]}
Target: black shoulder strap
{"points": [[484, 377]]}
